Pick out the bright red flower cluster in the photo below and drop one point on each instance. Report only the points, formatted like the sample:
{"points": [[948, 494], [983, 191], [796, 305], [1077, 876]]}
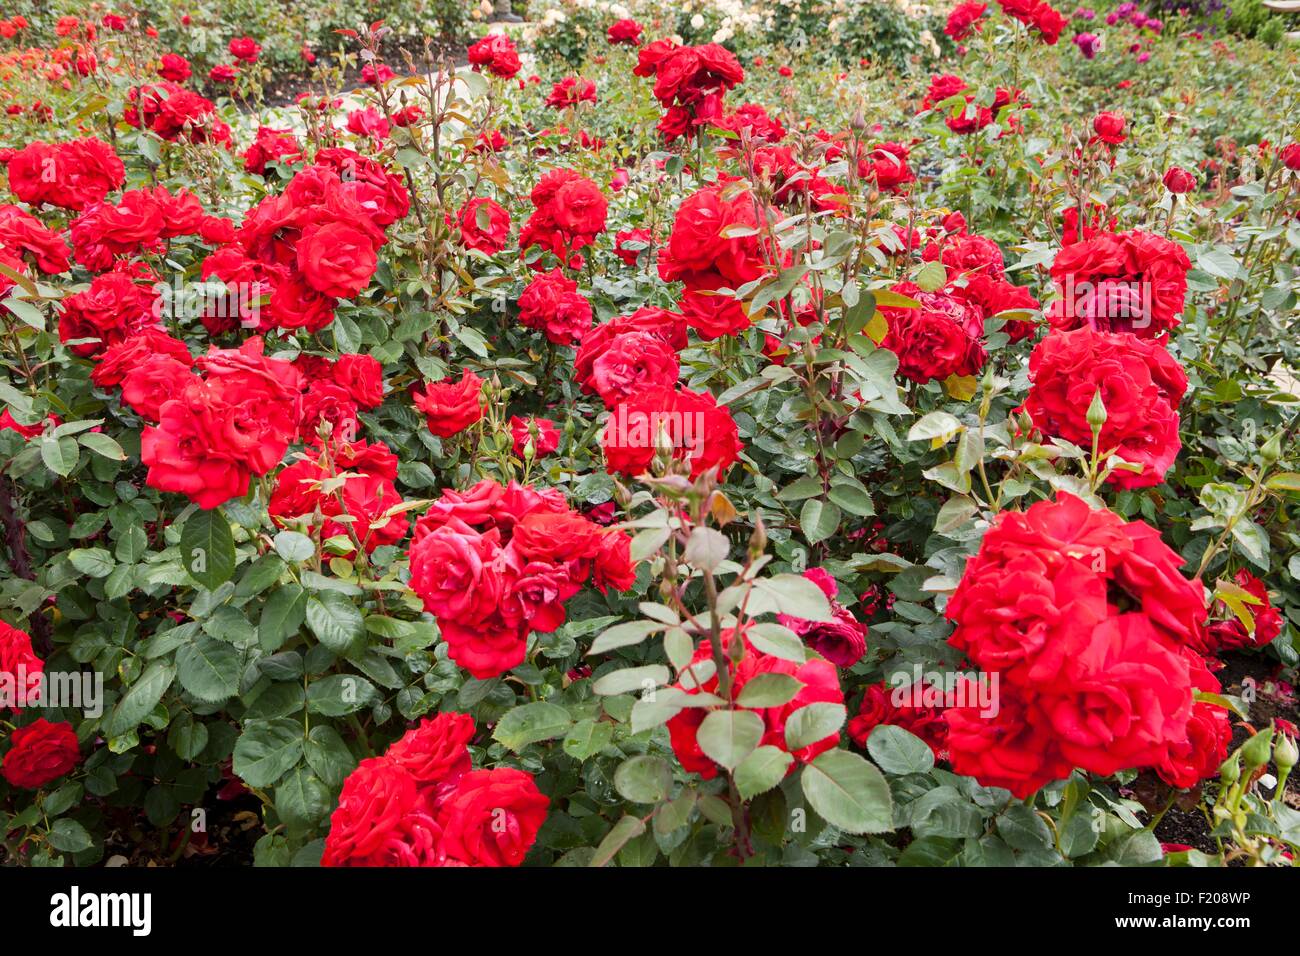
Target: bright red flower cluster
{"points": [[496, 562], [694, 427], [495, 53], [690, 82], [39, 753], [569, 212], [841, 640], [552, 304], [235, 421], [1040, 17], [315, 243], [1120, 282], [1088, 622], [1141, 386], [70, 175], [421, 804]]}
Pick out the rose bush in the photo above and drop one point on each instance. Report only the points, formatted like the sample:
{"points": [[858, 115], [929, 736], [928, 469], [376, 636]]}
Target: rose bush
{"points": [[650, 442]]}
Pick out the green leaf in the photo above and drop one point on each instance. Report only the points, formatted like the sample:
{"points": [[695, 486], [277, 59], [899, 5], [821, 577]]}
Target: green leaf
{"points": [[60, 454], [140, 700], [335, 621], [896, 751], [587, 738], [769, 690], [69, 836], [630, 679], [624, 635], [849, 793], [818, 519], [762, 770], [96, 562], [340, 694], [530, 723], [706, 548], [812, 723], [302, 799], [628, 828], [328, 755], [103, 445], [282, 616], [267, 750], [777, 640], [208, 548], [729, 736], [791, 594], [209, 669], [294, 546], [644, 779]]}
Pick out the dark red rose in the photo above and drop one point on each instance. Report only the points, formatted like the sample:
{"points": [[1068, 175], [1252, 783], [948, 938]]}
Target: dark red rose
{"points": [[39, 753]]}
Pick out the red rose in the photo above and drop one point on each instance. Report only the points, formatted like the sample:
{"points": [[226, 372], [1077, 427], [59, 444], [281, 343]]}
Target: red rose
{"points": [[1208, 734], [16, 660], [71, 175], [1140, 385], [1126, 282], [484, 225], [1229, 632], [1012, 749], [912, 712], [325, 402], [336, 258], [542, 432], [40, 752], [633, 362], [245, 48], [571, 91], [156, 379], [114, 308], [940, 338], [174, 67], [451, 407], [437, 750], [624, 31], [496, 51], [270, 144], [383, 819], [458, 574], [492, 817], [1290, 155], [964, 20], [23, 233], [579, 208], [363, 378], [1178, 180], [1109, 127], [667, 326], [552, 304], [698, 431]]}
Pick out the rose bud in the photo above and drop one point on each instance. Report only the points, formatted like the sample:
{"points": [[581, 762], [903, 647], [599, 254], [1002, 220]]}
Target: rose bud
{"points": [[1178, 180]]}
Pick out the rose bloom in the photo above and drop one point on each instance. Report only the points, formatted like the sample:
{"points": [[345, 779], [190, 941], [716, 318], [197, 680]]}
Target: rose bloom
{"points": [[116, 362], [484, 225], [223, 73], [1178, 180], [670, 327], [336, 258], [964, 20], [698, 430], [383, 819], [1209, 733], [1230, 632], [39, 753], [940, 338], [362, 377], [115, 307], [571, 91], [1140, 384], [492, 817], [174, 67], [624, 31], [633, 362], [16, 654], [1120, 282], [84, 172], [552, 304], [643, 239], [914, 715], [1109, 127], [496, 52], [1290, 155], [156, 379], [437, 750], [451, 407], [540, 431], [245, 49]]}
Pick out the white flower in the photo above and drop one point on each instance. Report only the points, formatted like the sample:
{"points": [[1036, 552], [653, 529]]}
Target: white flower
{"points": [[697, 21]]}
